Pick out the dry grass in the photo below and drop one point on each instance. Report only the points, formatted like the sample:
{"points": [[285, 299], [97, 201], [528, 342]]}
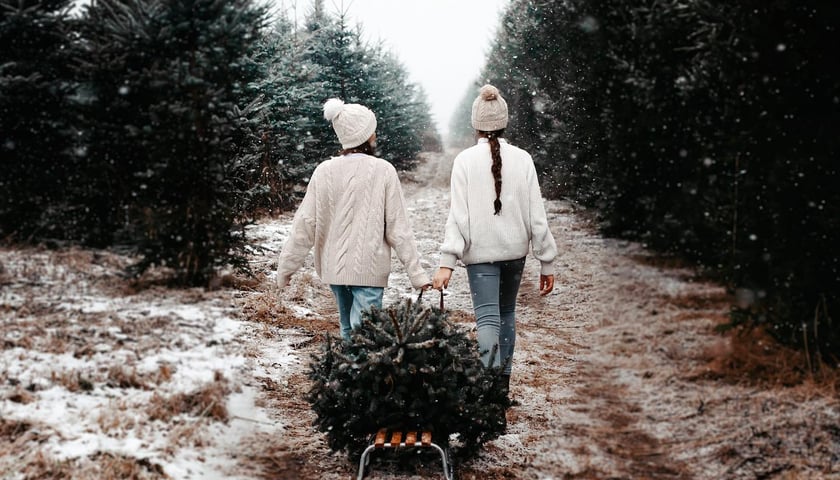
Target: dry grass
{"points": [[751, 356], [460, 316], [11, 430], [266, 308], [20, 395], [716, 301], [43, 467], [269, 308], [74, 381], [100, 466], [120, 376], [208, 401], [116, 418]]}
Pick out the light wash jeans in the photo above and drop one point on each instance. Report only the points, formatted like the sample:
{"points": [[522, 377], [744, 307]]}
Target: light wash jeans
{"points": [[494, 287], [352, 301]]}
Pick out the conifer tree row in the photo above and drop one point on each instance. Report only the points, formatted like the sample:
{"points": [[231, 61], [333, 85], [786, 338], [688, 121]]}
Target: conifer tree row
{"points": [[163, 127], [704, 129]]}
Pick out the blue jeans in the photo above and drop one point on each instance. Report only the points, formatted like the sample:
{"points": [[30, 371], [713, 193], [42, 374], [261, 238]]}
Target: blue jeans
{"points": [[494, 287], [352, 301]]}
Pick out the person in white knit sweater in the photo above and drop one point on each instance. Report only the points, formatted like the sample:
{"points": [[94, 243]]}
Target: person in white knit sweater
{"points": [[496, 213], [353, 214]]}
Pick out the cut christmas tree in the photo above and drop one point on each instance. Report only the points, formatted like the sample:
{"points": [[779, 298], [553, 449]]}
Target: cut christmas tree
{"points": [[408, 367]]}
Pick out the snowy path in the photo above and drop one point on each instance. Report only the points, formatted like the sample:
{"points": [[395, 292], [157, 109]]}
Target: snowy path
{"points": [[614, 371], [608, 370]]}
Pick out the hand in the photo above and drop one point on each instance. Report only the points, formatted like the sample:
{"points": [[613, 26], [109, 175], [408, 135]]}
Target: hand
{"points": [[546, 284], [441, 279], [281, 284], [426, 287]]}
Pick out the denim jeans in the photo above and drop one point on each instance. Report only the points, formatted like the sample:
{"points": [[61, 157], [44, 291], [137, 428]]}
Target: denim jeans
{"points": [[352, 301], [494, 287]]}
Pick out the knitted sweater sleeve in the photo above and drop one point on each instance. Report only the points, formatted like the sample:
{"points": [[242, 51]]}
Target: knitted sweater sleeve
{"points": [[543, 245], [456, 235], [398, 232], [302, 236]]}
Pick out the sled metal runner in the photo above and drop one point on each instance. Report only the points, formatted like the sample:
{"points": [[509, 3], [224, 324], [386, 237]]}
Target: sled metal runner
{"points": [[385, 438]]}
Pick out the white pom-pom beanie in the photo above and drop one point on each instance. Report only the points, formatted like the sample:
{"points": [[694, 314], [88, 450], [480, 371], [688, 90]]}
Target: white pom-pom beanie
{"points": [[353, 123], [489, 110]]}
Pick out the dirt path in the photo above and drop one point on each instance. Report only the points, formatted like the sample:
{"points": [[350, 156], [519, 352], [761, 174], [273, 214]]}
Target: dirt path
{"points": [[611, 371]]}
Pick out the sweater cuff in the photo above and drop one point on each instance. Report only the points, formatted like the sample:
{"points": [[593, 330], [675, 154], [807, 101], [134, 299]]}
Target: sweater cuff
{"points": [[546, 268], [417, 281], [448, 260]]}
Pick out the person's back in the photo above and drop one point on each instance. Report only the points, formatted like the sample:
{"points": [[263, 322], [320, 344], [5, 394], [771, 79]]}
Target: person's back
{"points": [[504, 235], [353, 214], [496, 212], [351, 239]]}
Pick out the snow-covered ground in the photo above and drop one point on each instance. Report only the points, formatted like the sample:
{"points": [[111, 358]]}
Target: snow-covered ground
{"points": [[160, 378], [619, 373]]}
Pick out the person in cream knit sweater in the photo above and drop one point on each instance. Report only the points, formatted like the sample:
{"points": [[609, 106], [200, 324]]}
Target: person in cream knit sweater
{"points": [[353, 214], [496, 213]]}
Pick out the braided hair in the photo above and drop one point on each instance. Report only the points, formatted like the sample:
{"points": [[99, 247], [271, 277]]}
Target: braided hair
{"points": [[496, 168]]}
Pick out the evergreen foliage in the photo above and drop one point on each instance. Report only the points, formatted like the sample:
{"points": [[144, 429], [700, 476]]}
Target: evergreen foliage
{"points": [[348, 68], [169, 114], [162, 126], [702, 128], [322, 59], [407, 367], [291, 122], [36, 135]]}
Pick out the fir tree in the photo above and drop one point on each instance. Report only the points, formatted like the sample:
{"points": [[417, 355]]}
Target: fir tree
{"points": [[172, 108], [36, 138], [408, 367], [291, 118], [348, 68]]}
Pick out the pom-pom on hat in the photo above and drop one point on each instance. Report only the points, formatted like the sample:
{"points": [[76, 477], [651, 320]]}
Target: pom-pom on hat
{"points": [[489, 110], [353, 123]]}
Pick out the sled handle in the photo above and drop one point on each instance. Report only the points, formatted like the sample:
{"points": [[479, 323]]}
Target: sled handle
{"points": [[420, 297]]}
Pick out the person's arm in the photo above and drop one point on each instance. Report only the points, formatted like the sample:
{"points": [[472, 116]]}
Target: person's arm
{"points": [[302, 236], [398, 232], [543, 244], [457, 231]]}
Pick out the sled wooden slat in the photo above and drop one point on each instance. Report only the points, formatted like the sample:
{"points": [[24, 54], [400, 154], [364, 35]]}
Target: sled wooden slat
{"points": [[384, 438], [380, 438]]}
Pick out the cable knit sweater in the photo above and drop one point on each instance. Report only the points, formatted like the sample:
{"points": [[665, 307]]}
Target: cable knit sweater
{"points": [[473, 233], [353, 213]]}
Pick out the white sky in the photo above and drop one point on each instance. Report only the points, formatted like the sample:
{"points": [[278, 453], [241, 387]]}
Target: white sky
{"points": [[442, 43]]}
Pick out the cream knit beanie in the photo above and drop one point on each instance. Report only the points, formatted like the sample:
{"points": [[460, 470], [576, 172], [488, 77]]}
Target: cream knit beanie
{"points": [[353, 123], [489, 110]]}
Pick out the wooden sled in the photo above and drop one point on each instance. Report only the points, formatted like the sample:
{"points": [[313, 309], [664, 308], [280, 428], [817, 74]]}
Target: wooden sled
{"points": [[385, 438]]}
